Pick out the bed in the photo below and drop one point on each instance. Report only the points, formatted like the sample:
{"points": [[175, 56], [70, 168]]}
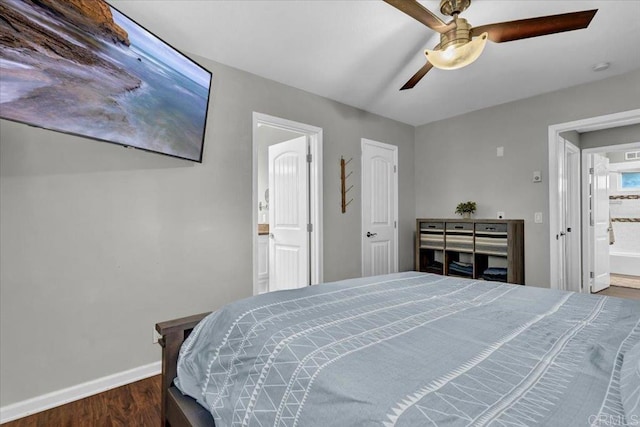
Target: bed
{"points": [[407, 349]]}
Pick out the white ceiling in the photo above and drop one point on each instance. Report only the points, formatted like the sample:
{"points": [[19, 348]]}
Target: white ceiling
{"points": [[360, 52]]}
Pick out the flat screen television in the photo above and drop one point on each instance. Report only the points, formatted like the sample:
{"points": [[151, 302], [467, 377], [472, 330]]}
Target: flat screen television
{"points": [[81, 67]]}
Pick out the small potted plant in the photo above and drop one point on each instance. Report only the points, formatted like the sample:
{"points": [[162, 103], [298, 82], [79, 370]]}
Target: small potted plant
{"points": [[466, 209]]}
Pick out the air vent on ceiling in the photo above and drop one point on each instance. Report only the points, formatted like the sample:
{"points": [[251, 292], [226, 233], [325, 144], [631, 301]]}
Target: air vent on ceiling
{"points": [[632, 155]]}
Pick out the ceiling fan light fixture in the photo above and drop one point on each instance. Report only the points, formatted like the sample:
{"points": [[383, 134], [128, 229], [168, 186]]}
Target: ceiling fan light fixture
{"points": [[457, 56]]}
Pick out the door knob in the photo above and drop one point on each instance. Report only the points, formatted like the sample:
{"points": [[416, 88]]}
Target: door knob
{"points": [[370, 234], [271, 236]]}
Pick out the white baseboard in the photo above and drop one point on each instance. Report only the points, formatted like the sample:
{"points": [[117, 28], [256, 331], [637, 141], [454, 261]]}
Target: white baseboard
{"points": [[77, 392]]}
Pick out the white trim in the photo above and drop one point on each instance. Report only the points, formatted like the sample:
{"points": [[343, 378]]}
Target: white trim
{"points": [[591, 124], [316, 207], [573, 239], [554, 203], [394, 149], [316, 194], [76, 392], [586, 222]]}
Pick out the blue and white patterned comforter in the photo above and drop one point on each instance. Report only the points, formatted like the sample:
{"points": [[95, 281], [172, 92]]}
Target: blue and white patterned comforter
{"points": [[414, 349]]}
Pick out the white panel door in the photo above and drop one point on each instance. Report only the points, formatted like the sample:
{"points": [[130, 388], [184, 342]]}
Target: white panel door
{"points": [[379, 208], [568, 234], [600, 216], [288, 215]]}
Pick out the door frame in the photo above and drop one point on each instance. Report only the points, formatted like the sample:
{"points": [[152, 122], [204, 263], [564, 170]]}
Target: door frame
{"points": [[394, 148], [607, 121], [573, 239], [315, 191]]}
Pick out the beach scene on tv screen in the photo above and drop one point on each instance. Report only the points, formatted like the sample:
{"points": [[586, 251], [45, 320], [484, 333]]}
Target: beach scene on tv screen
{"points": [[82, 67]]}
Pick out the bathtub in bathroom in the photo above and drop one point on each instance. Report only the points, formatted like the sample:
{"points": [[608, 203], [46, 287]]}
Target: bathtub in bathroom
{"points": [[625, 263]]}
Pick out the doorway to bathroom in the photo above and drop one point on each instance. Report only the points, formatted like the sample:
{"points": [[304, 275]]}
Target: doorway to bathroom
{"points": [[589, 258], [287, 201], [613, 173]]}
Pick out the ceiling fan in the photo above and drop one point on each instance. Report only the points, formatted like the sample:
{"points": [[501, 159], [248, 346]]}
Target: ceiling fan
{"points": [[461, 44]]}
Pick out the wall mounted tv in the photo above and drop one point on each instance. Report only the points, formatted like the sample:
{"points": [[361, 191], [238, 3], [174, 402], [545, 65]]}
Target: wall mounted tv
{"points": [[82, 67]]}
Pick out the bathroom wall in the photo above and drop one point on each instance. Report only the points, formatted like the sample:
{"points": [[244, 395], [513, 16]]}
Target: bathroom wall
{"points": [[624, 209]]}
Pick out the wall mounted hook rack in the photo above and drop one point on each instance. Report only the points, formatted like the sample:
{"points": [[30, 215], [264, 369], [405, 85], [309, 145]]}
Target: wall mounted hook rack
{"points": [[343, 182]]}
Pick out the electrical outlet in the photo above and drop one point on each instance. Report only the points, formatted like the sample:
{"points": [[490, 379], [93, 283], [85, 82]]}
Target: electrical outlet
{"points": [[500, 215], [537, 217], [156, 336], [537, 176]]}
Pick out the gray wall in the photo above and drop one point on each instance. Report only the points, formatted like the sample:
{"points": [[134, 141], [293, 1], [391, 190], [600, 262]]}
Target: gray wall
{"points": [[455, 159], [614, 136], [605, 137], [572, 136], [619, 156], [99, 242]]}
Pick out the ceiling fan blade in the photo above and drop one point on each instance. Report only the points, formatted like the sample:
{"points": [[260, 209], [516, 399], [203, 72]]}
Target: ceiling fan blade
{"points": [[421, 14], [417, 76], [534, 27]]}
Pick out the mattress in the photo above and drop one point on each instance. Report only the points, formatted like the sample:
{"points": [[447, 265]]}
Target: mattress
{"points": [[417, 349]]}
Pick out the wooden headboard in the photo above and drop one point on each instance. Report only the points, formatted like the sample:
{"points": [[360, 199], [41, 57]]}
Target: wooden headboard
{"points": [[173, 333]]}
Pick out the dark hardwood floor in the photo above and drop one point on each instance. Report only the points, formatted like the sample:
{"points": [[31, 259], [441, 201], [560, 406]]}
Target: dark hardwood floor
{"points": [[133, 405]]}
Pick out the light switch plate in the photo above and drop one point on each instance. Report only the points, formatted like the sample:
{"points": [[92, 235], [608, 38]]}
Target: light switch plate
{"points": [[500, 152], [537, 218]]}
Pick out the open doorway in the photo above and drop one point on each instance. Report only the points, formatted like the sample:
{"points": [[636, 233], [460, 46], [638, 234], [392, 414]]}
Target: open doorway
{"points": [[287, 204], [613, 235], [562, 204]]}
